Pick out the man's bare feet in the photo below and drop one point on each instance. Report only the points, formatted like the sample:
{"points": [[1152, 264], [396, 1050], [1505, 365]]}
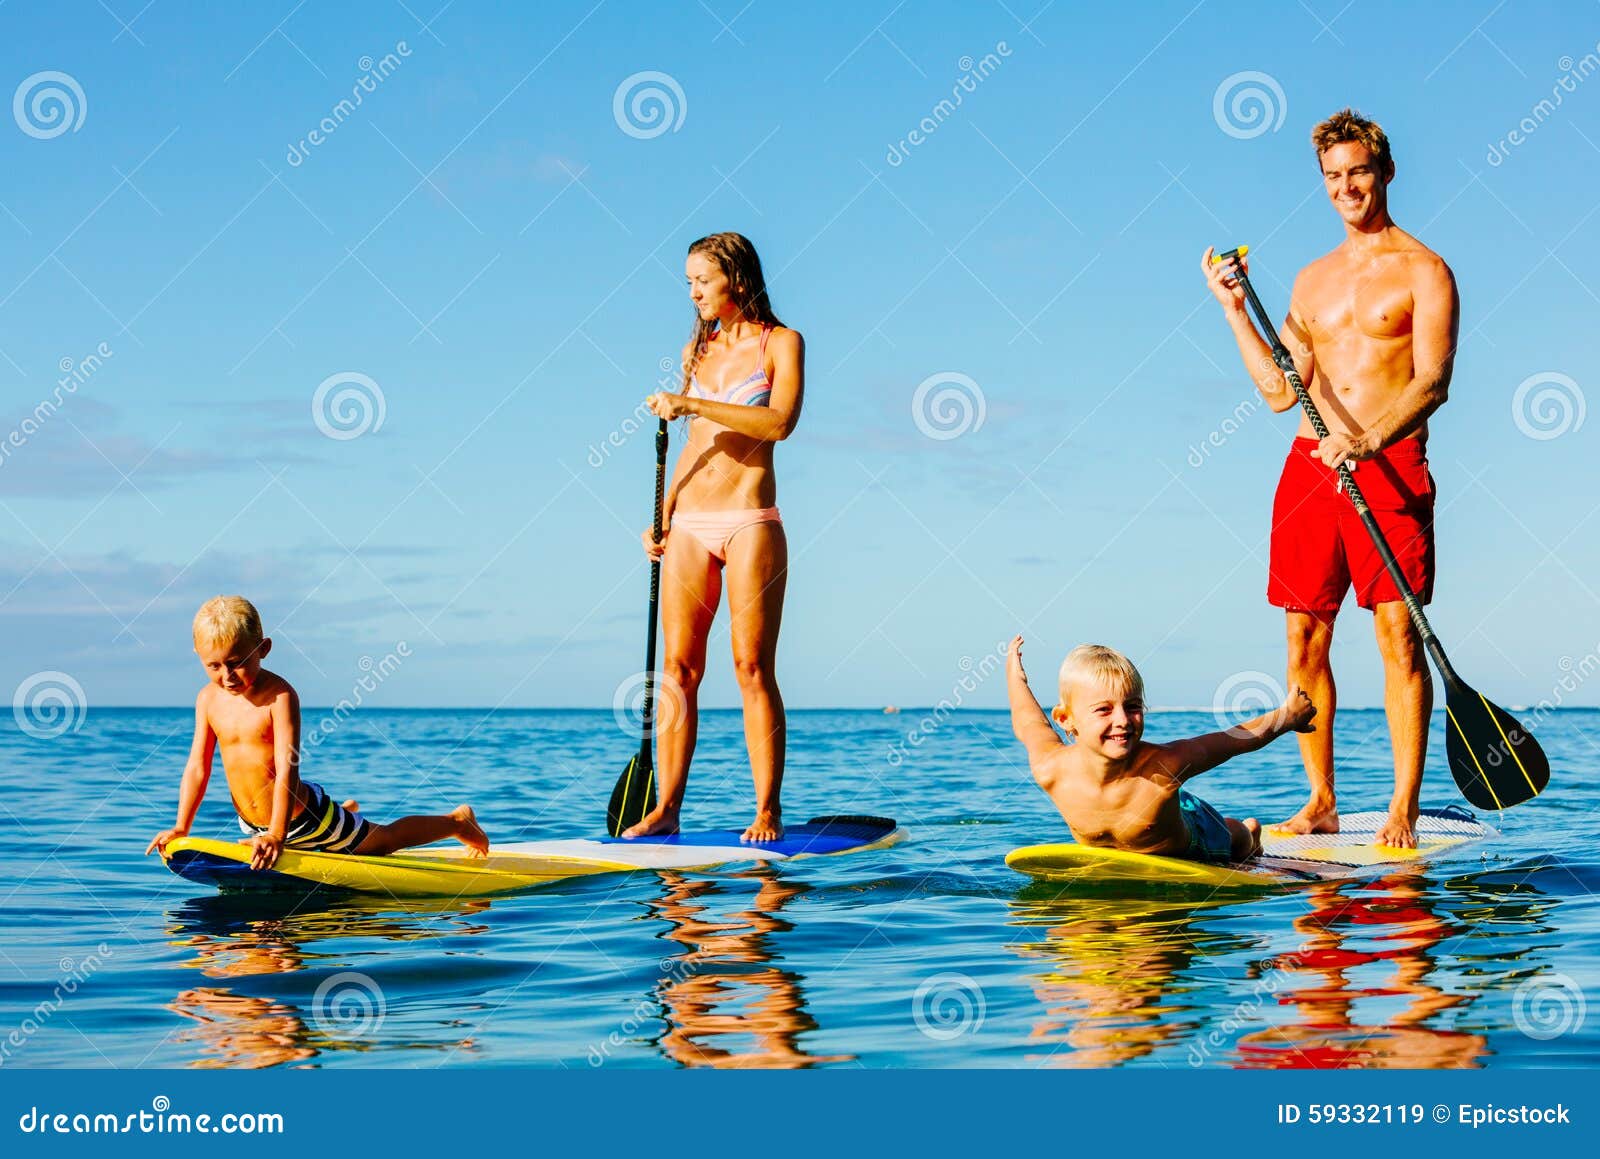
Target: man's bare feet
{"points": [[1313, 818], [470, 834], [766, 827], [1399, 831], [659, 822]]}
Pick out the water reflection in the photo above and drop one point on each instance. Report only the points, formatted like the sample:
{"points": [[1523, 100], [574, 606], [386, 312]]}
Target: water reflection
{"points": [[1109, 990], [726, 1000], [1127, 976], [1390, 924], [245, 938]]}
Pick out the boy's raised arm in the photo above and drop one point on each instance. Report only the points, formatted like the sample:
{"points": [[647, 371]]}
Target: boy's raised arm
{"points": [[1200, 754], [196, 775], [1028, 720]]}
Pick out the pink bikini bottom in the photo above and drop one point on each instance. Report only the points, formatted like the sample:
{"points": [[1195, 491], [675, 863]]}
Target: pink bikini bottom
{"points": [[713, 529]]}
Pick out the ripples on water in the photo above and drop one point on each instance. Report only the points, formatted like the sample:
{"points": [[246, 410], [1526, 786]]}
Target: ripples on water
{"points": [[931, 953]]}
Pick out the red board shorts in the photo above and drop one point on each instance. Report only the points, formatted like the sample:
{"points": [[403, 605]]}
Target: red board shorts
{"points": [[1320, 547]]}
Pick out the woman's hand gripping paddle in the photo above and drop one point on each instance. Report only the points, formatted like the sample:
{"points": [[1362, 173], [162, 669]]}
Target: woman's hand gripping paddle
{"points": [[1495, 761], [635, 791]]}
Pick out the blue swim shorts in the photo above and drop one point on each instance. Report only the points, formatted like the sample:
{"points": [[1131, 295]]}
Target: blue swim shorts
{"points": [[1209, 839]]}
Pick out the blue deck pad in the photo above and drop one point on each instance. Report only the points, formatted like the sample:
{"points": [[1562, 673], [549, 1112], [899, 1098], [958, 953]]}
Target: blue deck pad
{"points": [[813, 837]]}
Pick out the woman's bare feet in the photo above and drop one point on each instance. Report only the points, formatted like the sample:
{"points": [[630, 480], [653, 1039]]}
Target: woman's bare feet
{"points": [[659, 822], [1316, 817], [767, 826], [470, 834]]}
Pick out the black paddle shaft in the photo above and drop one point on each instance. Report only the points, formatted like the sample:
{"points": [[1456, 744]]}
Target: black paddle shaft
{"points": [[1285, 363], [634, 794], [655, 603]]}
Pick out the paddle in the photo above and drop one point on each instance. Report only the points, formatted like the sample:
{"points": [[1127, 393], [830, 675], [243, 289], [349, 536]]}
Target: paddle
{"points": [[635, 791], [1495, 761]]}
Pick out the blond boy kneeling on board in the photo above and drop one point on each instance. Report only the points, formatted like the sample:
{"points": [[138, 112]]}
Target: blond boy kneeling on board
{"points": [[1116, 790], [253, 716]]}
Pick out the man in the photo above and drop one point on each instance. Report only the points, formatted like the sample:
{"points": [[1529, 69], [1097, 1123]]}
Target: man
{"points": [[1372, 328]]}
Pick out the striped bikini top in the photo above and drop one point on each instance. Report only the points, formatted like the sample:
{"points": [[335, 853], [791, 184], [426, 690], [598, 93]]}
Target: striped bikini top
{"points": [[753, 391]]}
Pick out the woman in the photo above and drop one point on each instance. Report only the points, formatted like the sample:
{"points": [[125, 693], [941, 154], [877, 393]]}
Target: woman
{"points": [[743, 375]]}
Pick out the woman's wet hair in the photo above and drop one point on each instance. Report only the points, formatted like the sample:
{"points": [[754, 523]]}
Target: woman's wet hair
{"points": [[736, 257]]}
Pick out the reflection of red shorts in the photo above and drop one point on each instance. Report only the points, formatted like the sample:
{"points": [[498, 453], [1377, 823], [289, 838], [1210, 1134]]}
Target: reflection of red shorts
{"points": [[1319, 544]]}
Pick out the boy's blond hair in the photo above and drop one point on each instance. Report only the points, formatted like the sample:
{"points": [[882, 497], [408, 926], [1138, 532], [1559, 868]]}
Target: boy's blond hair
{"points": [[1096, 663], [224, 620]]}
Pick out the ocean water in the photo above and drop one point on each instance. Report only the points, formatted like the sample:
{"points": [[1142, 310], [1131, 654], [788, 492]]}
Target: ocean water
{"points": [[927, 954]]}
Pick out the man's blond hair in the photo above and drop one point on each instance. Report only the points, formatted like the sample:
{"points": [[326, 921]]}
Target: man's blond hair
{"points": [[1095, 663], [1349, 125], [226, 620]]}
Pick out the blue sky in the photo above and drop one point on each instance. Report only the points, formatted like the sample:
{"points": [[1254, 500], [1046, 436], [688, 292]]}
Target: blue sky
{"points": [[488, 242]]}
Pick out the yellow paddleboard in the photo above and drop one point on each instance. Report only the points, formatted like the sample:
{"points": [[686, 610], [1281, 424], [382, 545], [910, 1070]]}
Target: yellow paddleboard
{"points": [[449, 871]]}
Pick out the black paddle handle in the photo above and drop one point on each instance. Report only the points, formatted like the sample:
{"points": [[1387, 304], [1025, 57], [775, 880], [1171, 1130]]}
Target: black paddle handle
{"points": [[655, 601], [1285, 363]]}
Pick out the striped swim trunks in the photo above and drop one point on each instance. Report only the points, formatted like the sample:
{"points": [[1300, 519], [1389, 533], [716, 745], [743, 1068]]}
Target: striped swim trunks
{"points": [[323, 826]]}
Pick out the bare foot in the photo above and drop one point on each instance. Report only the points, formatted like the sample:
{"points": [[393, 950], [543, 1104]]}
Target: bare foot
{"points": [[351, 806], [470, 834], [659, 822], [766, 827], [1314, 818], [1398, 832]]}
